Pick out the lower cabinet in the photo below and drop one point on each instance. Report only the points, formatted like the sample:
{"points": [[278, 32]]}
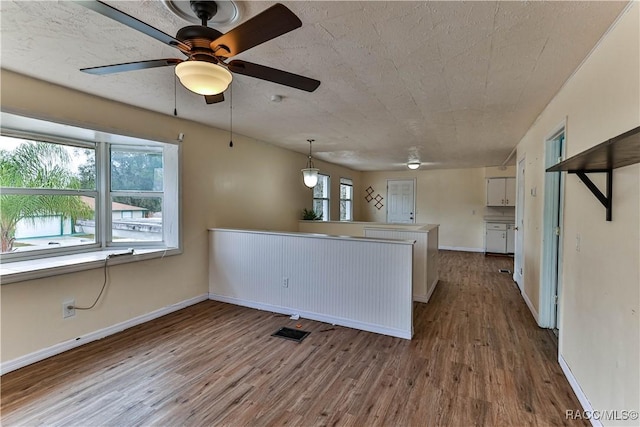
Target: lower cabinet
{"points": [[499, 238]]}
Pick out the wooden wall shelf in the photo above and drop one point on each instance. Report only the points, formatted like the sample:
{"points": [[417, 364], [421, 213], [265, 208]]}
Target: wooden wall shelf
{"points": [[622, 150]]}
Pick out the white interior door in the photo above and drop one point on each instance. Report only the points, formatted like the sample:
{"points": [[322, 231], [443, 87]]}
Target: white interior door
{"points": [[518, 257], [401, 205]]}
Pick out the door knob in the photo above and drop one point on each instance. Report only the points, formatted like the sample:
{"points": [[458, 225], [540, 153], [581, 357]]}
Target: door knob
{"points": [[515, 228]]}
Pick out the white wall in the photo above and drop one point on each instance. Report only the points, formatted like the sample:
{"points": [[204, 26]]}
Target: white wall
{"points": [[600, 285], [217, 191]]}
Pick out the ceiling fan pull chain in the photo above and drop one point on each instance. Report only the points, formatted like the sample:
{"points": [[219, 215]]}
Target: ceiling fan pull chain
{"points": [[175, 96], [231, 115]]}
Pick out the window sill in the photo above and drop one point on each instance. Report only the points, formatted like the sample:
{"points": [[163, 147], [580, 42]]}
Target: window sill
{"points": [[38, 268]]}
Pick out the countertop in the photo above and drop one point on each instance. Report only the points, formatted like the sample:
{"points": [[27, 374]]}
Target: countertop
{"points": [[500, 219]]}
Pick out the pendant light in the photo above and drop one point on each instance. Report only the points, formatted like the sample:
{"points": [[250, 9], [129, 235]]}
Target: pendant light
{"points": [[310, 173]]}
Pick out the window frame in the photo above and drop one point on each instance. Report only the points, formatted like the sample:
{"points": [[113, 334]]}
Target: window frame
{"points": [[130, 193], [57, 133], [346, 182], [326, 201]]}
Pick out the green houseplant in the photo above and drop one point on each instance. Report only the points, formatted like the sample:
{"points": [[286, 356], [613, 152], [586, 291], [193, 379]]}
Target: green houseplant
{"points": [[310, 214]]}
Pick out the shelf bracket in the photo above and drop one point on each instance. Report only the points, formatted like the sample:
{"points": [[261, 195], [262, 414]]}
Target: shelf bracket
{"points": [[604, 199]]}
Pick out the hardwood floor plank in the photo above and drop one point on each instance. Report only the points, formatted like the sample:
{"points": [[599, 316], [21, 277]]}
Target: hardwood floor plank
{"points": [[477, 358]]}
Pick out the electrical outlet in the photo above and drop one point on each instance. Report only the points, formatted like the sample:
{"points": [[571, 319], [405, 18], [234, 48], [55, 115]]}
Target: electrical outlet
{"points": [[578, 242], [285, 282], [66, 311]]}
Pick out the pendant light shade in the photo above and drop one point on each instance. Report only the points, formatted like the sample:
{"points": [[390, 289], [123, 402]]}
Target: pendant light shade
{"points": [[310, 173], [204, 78], [310, 177]]}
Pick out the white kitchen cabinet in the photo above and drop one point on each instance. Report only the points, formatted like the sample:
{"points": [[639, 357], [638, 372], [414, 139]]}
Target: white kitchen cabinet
{"points": [[501, 192], [499, 238], [496, 238], [510, 191]]}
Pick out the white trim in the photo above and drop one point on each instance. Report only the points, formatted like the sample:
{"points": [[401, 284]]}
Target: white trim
{"points": [[550, 253], [425, 299], [20, 271], [573, 382], [320, 236], [460, 249], [433, 286], [349, 323], [518, 256], [421, 298], [560, 128], [531, 307], [44, 353]]}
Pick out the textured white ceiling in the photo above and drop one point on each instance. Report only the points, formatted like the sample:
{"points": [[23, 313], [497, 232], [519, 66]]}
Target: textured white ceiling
{"points": [[456, 84]]}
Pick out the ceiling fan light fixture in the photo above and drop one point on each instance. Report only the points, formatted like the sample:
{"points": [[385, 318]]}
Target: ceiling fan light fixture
{"points": [[203, 78], [413, 165]]}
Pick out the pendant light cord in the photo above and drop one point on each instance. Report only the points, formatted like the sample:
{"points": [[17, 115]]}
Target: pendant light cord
{"points": [[310, 162], [231, 115]]}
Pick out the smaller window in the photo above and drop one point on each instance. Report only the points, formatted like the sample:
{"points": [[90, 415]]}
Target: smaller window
{"points": [[321, 197], [346, 199]]}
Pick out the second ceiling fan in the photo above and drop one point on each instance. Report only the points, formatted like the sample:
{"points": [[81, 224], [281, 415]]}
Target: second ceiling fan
{"points": [[205, 70]]}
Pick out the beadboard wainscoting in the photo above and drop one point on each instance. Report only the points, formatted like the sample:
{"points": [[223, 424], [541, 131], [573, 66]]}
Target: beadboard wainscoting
{"points": [[360, 283], [425, 256]]}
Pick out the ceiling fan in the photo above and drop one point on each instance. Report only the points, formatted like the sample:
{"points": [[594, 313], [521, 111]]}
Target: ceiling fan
{"points": [[205, 70]]}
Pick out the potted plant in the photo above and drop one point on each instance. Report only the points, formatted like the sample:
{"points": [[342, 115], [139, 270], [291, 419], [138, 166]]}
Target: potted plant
{"points": [[310, 214]]}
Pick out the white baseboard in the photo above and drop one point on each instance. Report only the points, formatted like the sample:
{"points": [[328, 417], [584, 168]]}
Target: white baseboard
{"points": [[421, 298], [39, 355], [460, 249], [433, 287], [532, 309], [425, 299], [573, 382], [349, 323]]}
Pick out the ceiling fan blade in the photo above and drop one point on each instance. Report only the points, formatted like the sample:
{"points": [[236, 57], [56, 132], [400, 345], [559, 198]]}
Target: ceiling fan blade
{"points": [[131, 66], [130, 21], [272, 75], [214, 99], [273, 22]]}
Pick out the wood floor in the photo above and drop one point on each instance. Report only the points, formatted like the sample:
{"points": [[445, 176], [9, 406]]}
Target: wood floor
{"points": [[477, 358]]}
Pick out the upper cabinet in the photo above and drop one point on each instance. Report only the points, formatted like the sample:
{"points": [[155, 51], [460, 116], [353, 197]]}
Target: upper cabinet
{"points": [[501, 192]]}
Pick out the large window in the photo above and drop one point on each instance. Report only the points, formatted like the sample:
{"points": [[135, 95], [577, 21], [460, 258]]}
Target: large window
{"points": [[61, 195], [346, 199], [321, 197]]}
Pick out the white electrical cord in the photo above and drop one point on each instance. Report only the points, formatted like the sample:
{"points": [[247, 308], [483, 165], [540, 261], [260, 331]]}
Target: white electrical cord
{"points": [[104, 283]]}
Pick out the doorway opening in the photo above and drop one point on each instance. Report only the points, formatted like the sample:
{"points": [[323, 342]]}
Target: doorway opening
{"points": [[551, 275], [518, 259]]}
